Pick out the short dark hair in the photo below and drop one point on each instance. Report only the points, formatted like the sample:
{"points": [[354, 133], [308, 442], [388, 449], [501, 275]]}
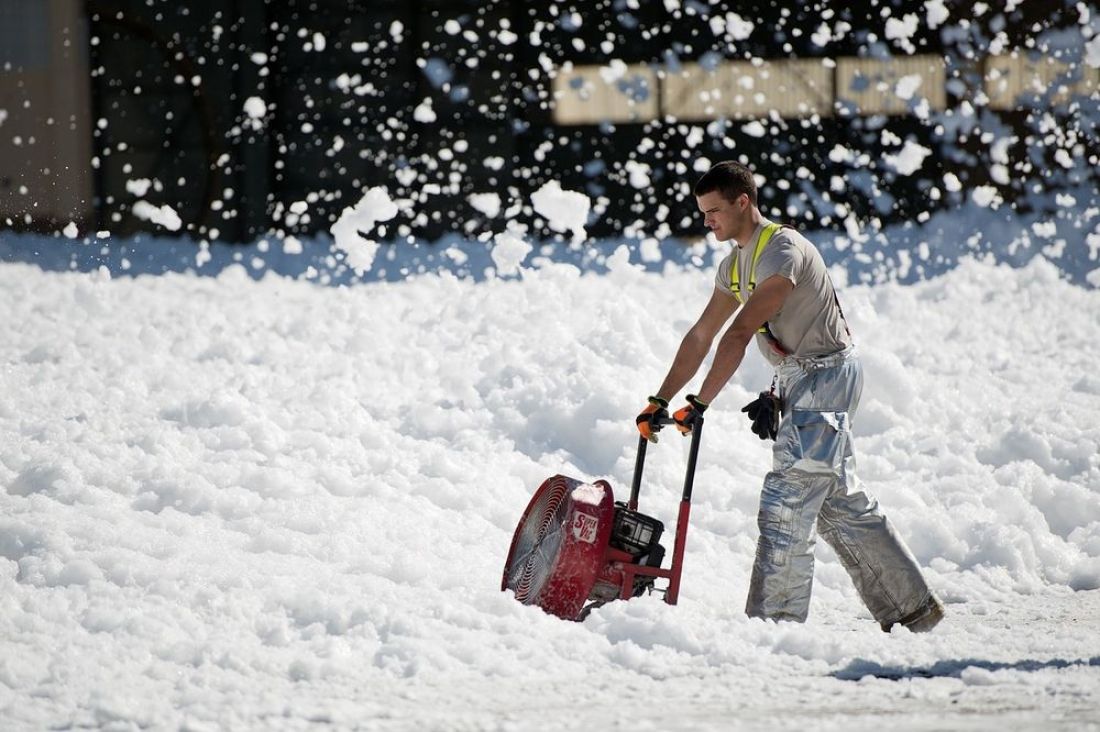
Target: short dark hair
{"points": [[729, 178]]}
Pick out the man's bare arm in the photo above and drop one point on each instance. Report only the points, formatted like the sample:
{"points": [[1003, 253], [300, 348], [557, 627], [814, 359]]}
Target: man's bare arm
{"points": [[765, 302], [696, 344]]}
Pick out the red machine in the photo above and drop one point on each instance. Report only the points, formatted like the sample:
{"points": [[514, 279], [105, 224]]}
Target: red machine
{"points": [[576, 548]]}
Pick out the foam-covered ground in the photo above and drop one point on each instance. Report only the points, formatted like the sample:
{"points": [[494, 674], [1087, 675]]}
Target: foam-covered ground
{"points": [[237, 504]]}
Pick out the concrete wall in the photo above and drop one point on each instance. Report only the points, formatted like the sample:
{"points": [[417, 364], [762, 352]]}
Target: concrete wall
{"points": [[45, 114]]}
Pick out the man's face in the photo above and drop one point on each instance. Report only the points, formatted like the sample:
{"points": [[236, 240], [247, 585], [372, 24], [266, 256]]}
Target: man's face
{"points": [[723, 218]]}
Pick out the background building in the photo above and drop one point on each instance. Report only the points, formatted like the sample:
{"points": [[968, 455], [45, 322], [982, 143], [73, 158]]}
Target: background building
{"points": [[245, 117]]}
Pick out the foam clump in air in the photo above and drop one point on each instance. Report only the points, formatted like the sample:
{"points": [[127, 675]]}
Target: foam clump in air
{"points": [[164, 215], [565, 211], [351, 231], [1092, 52], [509, 251], [486, 203], [909, 159]]}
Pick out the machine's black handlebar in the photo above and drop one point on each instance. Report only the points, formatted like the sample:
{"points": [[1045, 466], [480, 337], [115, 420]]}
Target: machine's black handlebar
{"points": [[693, 455]]}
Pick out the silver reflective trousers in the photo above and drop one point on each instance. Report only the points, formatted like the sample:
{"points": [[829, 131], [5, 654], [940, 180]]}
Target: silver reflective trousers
{"points": [[812, 489]]}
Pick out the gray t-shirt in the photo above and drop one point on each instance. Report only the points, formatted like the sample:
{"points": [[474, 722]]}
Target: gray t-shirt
{"points": [[810, 322]]}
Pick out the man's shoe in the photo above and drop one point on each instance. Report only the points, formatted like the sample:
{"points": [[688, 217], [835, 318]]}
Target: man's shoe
{"points": [[921, 620]]}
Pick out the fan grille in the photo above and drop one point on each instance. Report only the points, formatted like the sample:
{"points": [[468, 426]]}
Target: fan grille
{"points": [[538, 542]]}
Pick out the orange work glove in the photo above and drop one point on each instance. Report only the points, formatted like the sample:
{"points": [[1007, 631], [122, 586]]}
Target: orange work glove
{"points": [[649, 420], [685, 417]]}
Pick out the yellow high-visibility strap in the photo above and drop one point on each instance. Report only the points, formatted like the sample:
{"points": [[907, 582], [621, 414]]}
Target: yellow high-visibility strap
{"points": [[761, 242]]}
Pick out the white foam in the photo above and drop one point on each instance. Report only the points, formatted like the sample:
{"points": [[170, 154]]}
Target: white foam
{"points": [[310, 492], [255, 108], [163, 215], [356, 224], [486, 203], [909, 159], [565, 211]]}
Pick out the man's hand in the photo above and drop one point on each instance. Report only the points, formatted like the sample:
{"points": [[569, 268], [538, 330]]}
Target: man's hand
{"points": [[686, 417], [649, 420], [764, 412]]}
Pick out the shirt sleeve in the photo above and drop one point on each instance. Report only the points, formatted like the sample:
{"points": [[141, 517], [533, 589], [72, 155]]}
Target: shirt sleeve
{"points": [[781, 257], [722, 276]]}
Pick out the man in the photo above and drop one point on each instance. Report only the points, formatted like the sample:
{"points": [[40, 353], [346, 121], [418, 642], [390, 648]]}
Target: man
{"points": [[776, 282]]}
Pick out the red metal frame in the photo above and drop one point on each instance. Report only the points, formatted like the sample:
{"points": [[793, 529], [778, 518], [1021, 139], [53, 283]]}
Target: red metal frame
{"points": [[619, 567]]}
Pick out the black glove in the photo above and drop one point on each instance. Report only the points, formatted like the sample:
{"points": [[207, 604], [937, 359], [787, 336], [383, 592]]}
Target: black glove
{"points": [[649, 420], [685, 417], [764, 411]]}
